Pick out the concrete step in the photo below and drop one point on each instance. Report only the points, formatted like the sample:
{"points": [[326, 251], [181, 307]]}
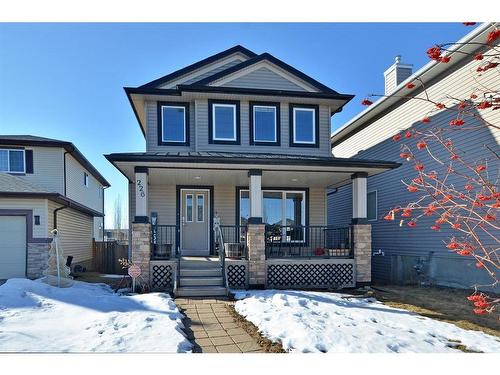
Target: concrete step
{"points": [[201, 291], [201, 272], [200, 281], [200, 263]]}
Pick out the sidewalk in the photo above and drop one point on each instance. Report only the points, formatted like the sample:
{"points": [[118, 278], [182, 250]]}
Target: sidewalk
{"points": [[212, 329]]}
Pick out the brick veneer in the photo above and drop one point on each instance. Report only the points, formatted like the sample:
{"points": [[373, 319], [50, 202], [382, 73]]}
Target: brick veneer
{"points": [[141, 248], [362, 237], [38, 254], [256, 255]]}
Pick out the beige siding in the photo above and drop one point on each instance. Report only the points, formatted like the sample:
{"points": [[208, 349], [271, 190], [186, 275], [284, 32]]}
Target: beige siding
{"points": [[47, 168], [317, 206], [90, 196], [162, 200], [38, 206], [75, 231], [224, 204], [457, 84]]}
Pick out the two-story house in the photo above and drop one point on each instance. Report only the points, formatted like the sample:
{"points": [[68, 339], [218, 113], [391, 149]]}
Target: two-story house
{"points": [[46, 184], [238, 158], [414, 255]]}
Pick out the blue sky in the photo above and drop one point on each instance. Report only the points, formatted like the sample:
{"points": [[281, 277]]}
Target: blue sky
{"points": [[65, 81]]}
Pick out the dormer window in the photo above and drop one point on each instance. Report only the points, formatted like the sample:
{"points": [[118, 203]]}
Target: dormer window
{"points": [[12, 161], [264, 124], [224, 122], [304, 125], [173, 124]]}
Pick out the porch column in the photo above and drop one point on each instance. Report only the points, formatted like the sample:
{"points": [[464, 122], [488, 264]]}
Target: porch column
{"points": [[256, 244], [359, 197], [141, 195], [255, 194], [362, 246]]}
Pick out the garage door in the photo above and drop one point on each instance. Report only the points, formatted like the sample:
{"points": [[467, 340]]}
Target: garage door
{"points": [[12, 246]]}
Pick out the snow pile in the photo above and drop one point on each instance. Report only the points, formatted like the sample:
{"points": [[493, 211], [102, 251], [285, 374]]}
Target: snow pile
{"points": [[325, 322], [36, 317]]}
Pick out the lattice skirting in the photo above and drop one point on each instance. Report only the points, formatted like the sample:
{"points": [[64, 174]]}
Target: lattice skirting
{"points": [[237, 275], [162, 275], [299, 274]]}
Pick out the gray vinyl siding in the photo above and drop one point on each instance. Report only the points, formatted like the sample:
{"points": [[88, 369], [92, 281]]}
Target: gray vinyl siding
{"points": [[90, 196], [400, 243], [47, 168], [198, 112], [263, 78], [205, 72], [152, 134], [162, 200]]}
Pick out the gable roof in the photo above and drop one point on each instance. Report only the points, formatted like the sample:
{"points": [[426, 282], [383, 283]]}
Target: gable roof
{"points": [[32, 140], [197, 65], [430, 72], [137, 95], [266, 57]]}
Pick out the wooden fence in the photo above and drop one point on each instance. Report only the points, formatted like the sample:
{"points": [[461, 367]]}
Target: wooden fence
{"points": [[106, 255]]}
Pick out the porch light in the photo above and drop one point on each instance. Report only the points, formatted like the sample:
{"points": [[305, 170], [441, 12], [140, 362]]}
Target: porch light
{"points": [[294, 179], [197, 177]]}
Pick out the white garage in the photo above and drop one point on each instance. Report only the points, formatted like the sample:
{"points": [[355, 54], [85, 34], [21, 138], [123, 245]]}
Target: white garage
{"points": [[12, 246]]}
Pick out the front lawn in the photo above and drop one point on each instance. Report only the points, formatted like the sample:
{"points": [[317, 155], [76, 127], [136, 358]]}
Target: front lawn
{"points": [[329, 322], [36, 317]]}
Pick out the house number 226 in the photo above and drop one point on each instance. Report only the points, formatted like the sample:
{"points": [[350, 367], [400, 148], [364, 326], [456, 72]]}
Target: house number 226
{"points": [[140, 186]]}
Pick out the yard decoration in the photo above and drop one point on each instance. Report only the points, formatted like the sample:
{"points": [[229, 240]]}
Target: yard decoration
{"points": [[469, 206], [57, 273]]}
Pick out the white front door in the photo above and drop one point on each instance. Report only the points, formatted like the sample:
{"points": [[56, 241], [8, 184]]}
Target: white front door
{"points": [[195, 222]]}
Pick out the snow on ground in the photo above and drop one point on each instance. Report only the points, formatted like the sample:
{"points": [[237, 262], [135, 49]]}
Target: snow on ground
{"points": [[36, 317], [325, 322]]}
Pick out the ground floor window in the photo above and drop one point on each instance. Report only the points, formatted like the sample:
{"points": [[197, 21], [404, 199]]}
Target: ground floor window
{"points": [[279, 208]]}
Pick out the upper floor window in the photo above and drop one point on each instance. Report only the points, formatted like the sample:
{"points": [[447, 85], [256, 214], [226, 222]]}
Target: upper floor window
{"points": [[224, 121], [173, 124], [304, 125], [85, 179], [264, 124], [371, 206], [12, 161]]}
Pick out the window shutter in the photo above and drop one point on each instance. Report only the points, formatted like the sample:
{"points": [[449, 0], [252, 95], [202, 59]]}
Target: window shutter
{"points": [[28, 154]]}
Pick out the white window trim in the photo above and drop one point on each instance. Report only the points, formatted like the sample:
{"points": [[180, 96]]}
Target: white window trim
{"points": [[8, 160], [203, 208], [283, 207], [233, 106], [275, 123], [376, 204], [313, 110], [183, 128], [192, 208]]}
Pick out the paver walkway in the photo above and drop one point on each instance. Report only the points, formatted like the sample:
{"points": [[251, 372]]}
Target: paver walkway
{"points": [[212, 329]]}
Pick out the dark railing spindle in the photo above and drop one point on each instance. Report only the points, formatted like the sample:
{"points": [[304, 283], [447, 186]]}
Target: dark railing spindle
{"points": [[164, 242], [235, 241], [301, 241]]}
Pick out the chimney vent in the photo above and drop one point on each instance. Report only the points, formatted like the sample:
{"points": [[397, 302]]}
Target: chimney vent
{"points": [[396, 74]]}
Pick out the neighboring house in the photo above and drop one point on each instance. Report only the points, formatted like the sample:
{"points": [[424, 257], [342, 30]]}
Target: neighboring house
{"points": [[413, 255], [46, 184], [243, 139], [120, 235]]}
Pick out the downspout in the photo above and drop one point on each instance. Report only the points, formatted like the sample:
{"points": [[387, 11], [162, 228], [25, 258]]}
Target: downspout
{"points": [[55, 214]]}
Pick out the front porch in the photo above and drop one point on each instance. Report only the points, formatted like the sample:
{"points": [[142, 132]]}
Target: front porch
{"points": [[264, 220]]}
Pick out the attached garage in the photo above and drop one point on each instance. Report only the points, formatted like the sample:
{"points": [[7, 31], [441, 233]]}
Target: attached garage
{"points": [[12, 246]]}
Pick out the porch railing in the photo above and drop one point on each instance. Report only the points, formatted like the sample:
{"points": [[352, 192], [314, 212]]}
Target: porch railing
{"points": [[235, 241], [164, 242], [308, 241]]}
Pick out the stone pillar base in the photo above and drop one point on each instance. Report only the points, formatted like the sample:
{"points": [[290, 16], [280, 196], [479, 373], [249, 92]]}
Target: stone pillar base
{"points": [[256, 255], [141, 248], [362, 237], [38, 255]]}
